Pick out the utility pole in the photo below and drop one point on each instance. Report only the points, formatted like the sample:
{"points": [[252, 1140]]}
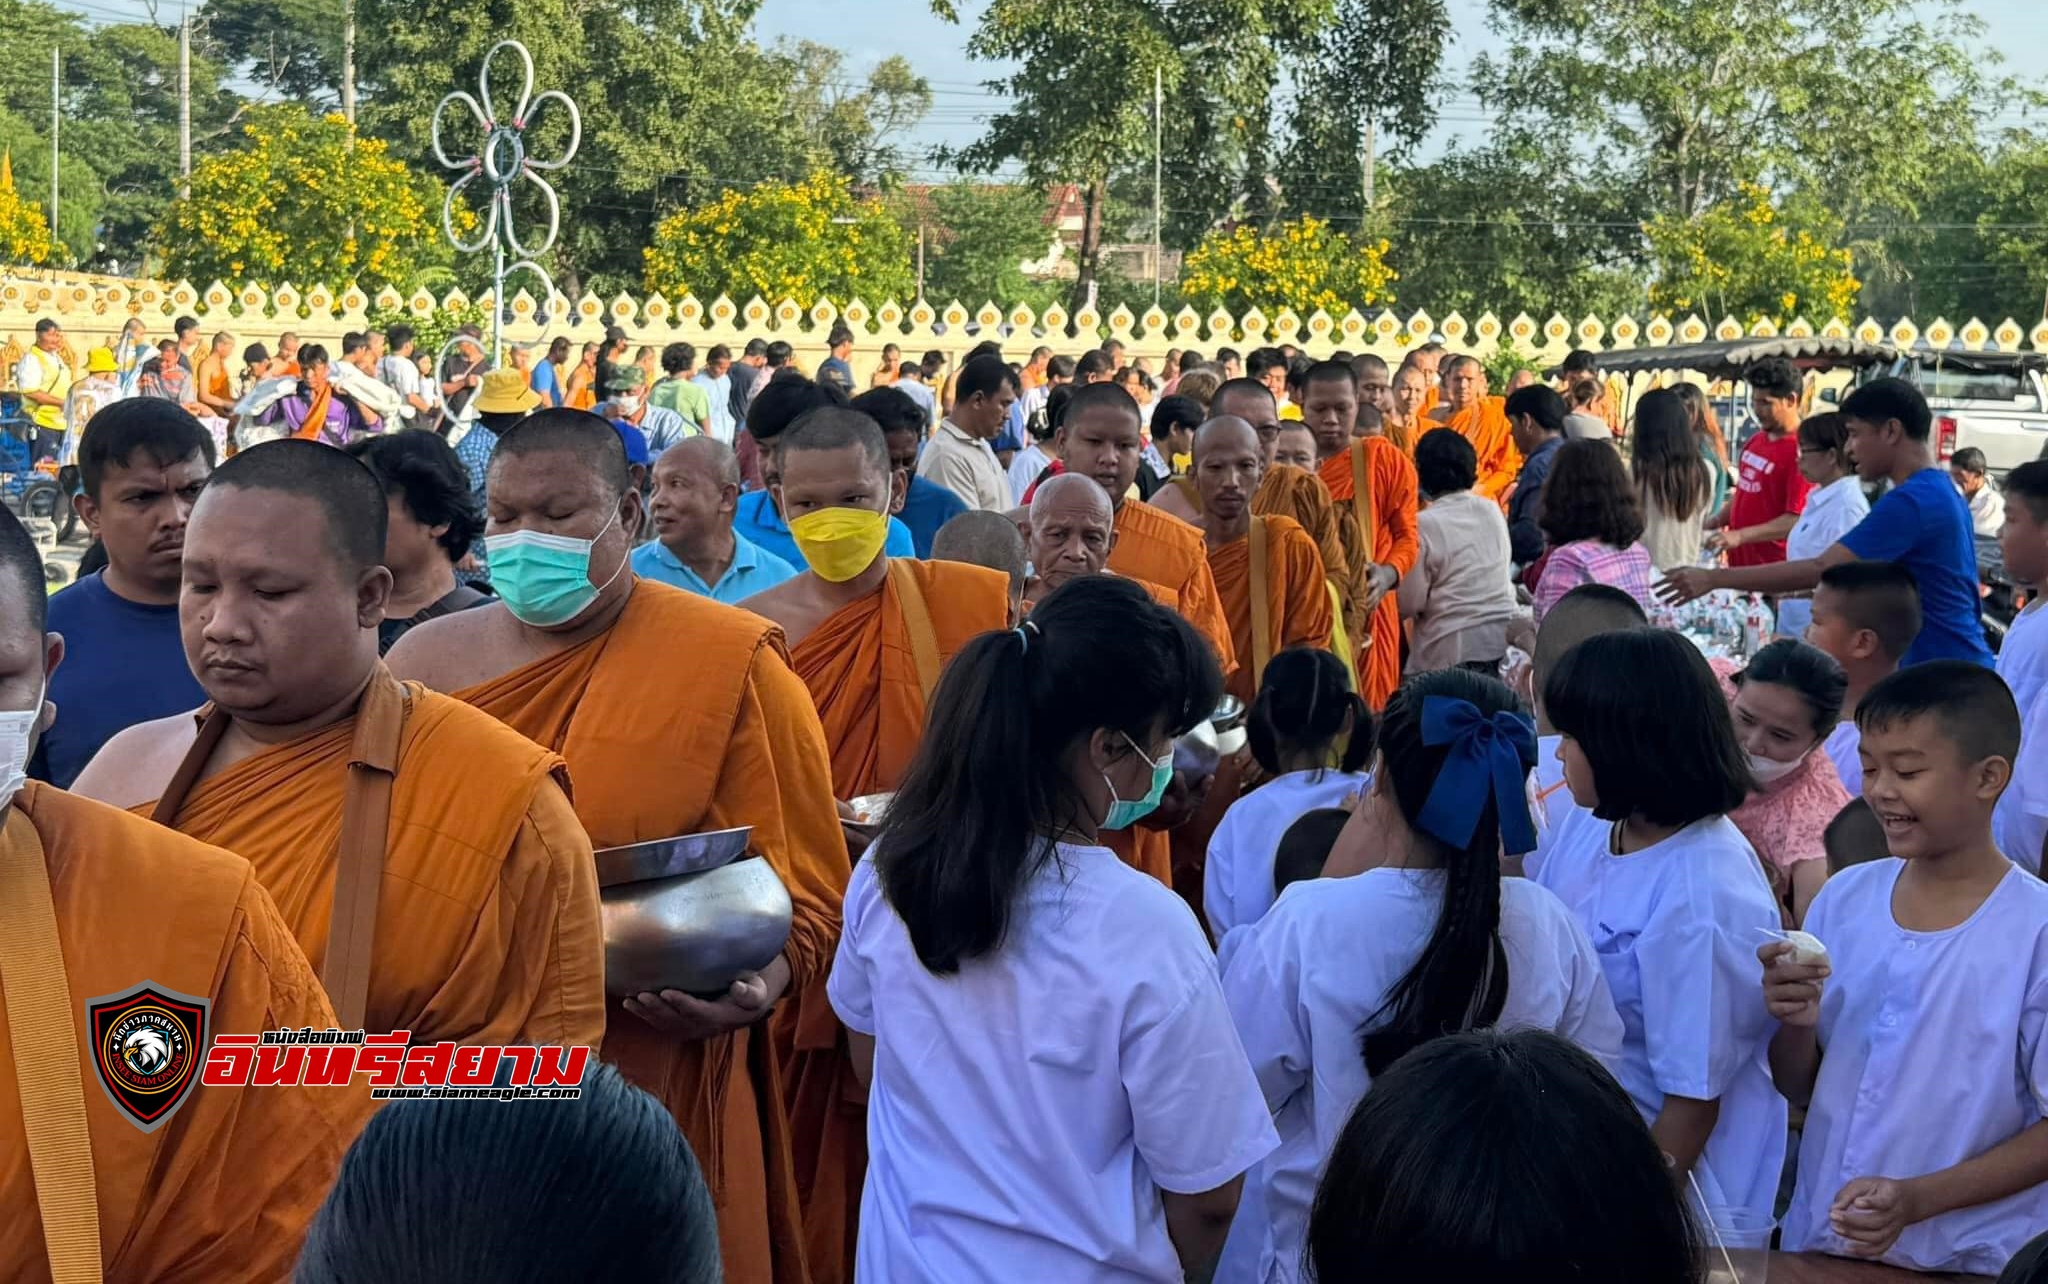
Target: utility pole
{"points": [[56, 115], [1368, 139], [1158, 151], [184, 105], [920, 256], [348, 61]]}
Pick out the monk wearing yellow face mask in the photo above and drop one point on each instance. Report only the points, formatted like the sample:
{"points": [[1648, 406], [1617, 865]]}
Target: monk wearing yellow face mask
{"points": [[868, 634]]}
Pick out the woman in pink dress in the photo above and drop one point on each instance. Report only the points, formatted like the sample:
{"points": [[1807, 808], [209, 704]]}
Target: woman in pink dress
{"points": [[1784, 705]]}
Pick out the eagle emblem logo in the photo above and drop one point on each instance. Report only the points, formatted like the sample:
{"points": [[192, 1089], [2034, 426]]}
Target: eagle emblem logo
{"points": [[147, 1046]]}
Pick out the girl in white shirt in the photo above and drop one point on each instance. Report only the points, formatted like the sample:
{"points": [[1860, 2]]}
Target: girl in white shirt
{"points": [[1310, 733], [1674, 900], [1057, 1090], [1347, 974], [1833, 507]]}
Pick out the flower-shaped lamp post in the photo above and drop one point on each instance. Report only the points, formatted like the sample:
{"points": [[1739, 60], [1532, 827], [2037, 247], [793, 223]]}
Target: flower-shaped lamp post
{"points": [[501, 161]]}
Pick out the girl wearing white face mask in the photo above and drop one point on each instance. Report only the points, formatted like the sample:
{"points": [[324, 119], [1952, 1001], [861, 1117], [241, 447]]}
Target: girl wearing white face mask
{"points": [[1785, 704]]}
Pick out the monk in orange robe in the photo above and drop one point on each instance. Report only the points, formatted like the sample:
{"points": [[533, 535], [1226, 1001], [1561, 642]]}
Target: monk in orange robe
{"points": [[1069, 532], [1381, 530], [1429, 360], [483, 927], [98, 902], [868, 634], [1099, 438], [677, 715], [984, 537], [1274, 596], [1413, 395], [1481, 420]]}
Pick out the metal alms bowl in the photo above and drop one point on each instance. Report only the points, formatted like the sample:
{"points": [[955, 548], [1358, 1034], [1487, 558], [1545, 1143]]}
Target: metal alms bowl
{"points": [[1228, 722], [689, 913]]}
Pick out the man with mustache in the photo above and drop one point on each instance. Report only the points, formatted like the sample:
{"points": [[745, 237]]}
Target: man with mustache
{"points": [[141, 468]]}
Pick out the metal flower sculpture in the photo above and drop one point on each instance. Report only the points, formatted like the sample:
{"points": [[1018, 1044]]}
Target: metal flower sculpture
{"points": [[502, 161]]}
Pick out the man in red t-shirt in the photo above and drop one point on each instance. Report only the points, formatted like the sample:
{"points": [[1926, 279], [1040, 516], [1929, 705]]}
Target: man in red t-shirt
{"points": [[1769, 492]]}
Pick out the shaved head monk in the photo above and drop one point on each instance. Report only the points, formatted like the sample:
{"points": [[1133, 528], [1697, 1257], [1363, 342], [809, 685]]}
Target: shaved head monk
{"points": [[1099, 439], [1411, 398], [1374, 482], [1375, 382], [1483, 421], [677, 715], [868, 634], [283, 591], [1071, 531], [1296, 447], [980, 537], [99, 902]]}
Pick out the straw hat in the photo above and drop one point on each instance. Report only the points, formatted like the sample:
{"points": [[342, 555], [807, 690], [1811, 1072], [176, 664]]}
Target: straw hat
{"points": [[505, 392]]}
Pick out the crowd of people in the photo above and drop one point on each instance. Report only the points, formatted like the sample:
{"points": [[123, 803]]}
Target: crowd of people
{"points": [[1249, 820]]}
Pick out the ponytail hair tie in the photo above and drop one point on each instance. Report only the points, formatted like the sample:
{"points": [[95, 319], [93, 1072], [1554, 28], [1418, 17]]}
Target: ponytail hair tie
{"points": [[1023, 638], [1488, 756]]}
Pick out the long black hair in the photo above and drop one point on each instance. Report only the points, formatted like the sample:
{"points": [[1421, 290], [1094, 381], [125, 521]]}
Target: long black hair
{"points": [[1461, 979], [1303, 697], [1671, 474], [963, 834], [1503, 1157]]}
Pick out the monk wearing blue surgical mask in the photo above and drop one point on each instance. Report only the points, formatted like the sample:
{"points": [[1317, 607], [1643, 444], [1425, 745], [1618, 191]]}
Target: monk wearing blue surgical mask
{"points": [[868, 634], [677, 714]]}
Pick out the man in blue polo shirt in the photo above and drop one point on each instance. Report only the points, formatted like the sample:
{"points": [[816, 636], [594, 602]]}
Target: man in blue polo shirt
{"points": [[926, 504], [696, 490], [141, 468], [1922, 523], [784, 401]]}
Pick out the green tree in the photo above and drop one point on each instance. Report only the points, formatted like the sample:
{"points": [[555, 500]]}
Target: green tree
{"points": [[980, 237], [292, 46], [301, 200], [1300, 264], [859, 129], [801, 241], [1081, 93], [1502, 229], [679, 104], [1747, 257], [1983, 251]]}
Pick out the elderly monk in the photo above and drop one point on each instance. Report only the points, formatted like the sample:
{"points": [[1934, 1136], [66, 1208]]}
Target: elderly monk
{"points": [[1099, 438], [980, 537], [1429, 360], [96, 902], [1071, 531], [868, 634], [425, 857], [677, 715], [1481, 420], [1411, 396], [1383, 516]]}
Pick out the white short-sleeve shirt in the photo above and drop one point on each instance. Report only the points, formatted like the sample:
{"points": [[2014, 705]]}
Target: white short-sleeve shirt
{"points": [[1844, 749], [1237, 878], [1933, 1054], [1027, 1110], [1310, 975], [2021, 820], [1677, 926]]}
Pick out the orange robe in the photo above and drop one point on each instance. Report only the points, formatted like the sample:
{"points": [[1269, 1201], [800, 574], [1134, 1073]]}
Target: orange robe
{"points": [[862, 674], [1390, 477], [1297, 600], [728, 737], [1157, 546], [1287, 491], [1484, 423], [223, 1190], [488, 928]]}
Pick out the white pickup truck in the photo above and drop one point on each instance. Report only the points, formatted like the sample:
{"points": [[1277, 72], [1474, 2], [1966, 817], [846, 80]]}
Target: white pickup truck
{"points": [[1995, 401]]}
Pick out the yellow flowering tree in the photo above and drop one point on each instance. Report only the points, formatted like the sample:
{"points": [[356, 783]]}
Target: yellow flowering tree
{"points": [[24, 232], [1300, 264], [1751, 257], [298, 199], [801, 241]]}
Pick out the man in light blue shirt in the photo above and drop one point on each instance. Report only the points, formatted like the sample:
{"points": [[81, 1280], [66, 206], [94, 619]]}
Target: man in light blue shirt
{"points": [[718, 390], [696, 491]]}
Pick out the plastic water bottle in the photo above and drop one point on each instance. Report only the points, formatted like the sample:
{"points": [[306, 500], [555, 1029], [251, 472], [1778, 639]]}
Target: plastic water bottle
{"points": [[1756, 629]]}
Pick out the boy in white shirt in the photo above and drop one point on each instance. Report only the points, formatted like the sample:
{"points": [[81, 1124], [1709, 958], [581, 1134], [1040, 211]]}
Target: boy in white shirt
{"points": [[2020, 825], [1919, 1038], [1865, 615]]}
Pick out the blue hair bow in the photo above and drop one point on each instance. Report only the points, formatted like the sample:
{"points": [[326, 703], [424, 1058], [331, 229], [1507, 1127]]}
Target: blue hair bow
{"points": [[1494, 754]]}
